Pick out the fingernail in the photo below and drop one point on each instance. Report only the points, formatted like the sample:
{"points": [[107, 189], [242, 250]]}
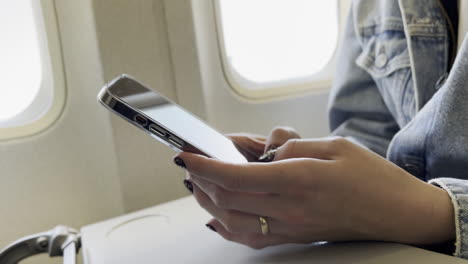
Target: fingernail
{"points": [[179, 162], [267, 157], [188, 185], [211, 228]]}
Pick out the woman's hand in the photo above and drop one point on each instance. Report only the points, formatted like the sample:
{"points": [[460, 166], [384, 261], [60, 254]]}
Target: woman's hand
{"points": [[319, 190]]}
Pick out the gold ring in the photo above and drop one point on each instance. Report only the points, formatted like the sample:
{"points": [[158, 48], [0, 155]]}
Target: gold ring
{"points": [[264, 225]]}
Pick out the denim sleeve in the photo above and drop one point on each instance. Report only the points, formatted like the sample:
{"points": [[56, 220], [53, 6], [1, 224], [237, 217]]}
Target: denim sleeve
{"points": [[356, 108], [458, 191], [438, 135]]}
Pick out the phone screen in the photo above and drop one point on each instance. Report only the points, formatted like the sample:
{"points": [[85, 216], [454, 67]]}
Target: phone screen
{"points": [[177, 120]]}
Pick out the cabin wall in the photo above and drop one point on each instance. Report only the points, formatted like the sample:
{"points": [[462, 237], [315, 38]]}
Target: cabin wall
{"points": [[67, 174], [133, 39]]}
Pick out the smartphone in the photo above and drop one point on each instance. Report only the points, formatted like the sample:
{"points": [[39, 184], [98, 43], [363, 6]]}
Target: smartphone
{"points": [[165, 121]]}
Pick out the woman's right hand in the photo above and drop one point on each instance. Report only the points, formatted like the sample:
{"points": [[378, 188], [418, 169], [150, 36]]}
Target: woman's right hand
{"points": [[326, 189]]}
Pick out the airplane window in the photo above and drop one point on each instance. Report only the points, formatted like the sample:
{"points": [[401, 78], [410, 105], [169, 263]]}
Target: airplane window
{"points": [[20, 67], [270, 41]]}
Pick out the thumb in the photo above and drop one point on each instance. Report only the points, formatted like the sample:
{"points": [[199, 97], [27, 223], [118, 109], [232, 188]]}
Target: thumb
{"points": [[279, 136], [306, 148]]}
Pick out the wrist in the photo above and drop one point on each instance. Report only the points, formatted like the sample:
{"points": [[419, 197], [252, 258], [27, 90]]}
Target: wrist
{"points": [[415, 213], [443, 215], [433, 217]]}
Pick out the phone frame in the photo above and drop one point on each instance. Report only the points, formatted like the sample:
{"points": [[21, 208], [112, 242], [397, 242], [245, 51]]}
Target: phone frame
{"points": [[131, 114]]}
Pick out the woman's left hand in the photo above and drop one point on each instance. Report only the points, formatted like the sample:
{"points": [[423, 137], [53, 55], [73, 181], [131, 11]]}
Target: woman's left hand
{"points": [[320, 190]]}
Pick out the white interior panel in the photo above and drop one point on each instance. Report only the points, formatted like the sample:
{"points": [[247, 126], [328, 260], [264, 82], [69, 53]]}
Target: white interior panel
{"points": [[133, 39], [67, 174]]}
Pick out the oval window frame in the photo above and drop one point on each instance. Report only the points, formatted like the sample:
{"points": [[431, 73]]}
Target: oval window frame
{"points": [[49, 102], [319, 82]]}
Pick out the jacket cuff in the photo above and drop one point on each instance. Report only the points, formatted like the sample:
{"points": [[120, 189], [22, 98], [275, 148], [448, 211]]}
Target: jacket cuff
{"points": [[458, 192]]}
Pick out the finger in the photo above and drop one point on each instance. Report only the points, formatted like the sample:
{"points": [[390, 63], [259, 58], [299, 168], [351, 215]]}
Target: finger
{"points": [[265, 204], [235, 221], [250, 135], [323, 149], [248, 177], [248, 145], [278, 136], [255, 241]]}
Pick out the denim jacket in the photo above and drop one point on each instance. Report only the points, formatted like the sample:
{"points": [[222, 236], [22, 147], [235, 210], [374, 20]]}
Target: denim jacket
{"points": [[392, 95]]}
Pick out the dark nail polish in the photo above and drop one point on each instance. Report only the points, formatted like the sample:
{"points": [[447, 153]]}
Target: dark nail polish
{"points": [[211, 228], [179, 162], [188, 185], [268, 157], [263, 158]]}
